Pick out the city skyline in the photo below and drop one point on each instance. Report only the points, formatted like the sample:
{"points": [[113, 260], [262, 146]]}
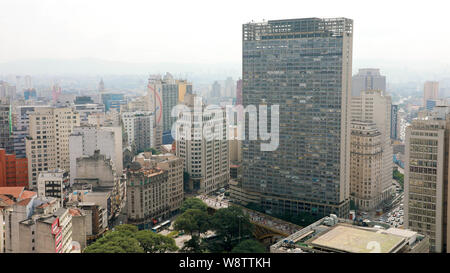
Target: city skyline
{"points": [[139, 35]]}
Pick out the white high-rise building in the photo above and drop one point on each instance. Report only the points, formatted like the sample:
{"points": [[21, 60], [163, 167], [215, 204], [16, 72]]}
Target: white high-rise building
{"points": [[205, 159], [47, 146], [85, 140], [139, 128]]}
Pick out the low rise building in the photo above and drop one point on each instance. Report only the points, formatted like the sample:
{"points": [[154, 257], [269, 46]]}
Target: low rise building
{"points": [[335, 235], [174, 166], [13, 170], [54, 183], [45, 233]]}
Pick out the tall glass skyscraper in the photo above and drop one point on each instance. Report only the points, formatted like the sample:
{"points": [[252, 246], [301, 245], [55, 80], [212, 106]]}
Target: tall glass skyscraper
{"points": [[304, 66]]}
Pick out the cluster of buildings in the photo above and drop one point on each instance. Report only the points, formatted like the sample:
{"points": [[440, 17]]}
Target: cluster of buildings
{"points": [[69, 171]]}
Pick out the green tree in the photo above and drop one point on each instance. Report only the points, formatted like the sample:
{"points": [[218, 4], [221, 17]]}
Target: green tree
{"points": [[249, 246], [127, 239], [399, 177], [127, 229], [231, 225], [193, 203], [194, 245], [193, 221], [115, 242], [152, 242]]}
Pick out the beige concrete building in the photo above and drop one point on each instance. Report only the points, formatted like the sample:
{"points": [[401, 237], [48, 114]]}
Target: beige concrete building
{"points": [[205, 154], [174, 166], [372, 106], [430, 91], [426, 177], [98, 174], [366, 155], [47, 146], [147, 195]]}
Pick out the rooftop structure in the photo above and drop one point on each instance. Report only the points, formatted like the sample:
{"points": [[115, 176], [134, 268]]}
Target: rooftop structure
{"points": [[336, 235]]}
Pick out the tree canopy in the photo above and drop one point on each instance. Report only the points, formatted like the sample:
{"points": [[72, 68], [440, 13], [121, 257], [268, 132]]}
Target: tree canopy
{"points": [[193, 203], [231, 225], [127, 239], [249, 246], [152, 242], [193, 221]]}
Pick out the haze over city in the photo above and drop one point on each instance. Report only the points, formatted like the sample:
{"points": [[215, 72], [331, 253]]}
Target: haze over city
{"points": [[138, 37]]}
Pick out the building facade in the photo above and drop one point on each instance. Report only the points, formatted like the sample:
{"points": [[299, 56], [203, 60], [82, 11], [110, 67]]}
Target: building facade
{"points": [[375, 107], [426, 177], [174, 167], [47, 145], [85, 140], [206, 157], [147, 195], [430, 91], [13, 170], [368, 79], [366, 157], [53, 183], [140, 129], [5, 128], [284, 63]]}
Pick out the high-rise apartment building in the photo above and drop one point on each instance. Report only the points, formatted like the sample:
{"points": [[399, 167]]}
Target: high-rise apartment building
{"points": [[368, 79], [47, 145], [366, 156], [426, 177], [285, 63], [205, 159], [6, 128], [230, 88], [169, 101], [184, 87], [85, 140], [155, 106], [239, 91], [430, 91], [216, 90], [139, 128], [375, 107]]}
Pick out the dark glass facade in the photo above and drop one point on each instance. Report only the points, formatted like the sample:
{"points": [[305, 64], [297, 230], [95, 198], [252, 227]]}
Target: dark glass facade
{"points": [[304, 66]]}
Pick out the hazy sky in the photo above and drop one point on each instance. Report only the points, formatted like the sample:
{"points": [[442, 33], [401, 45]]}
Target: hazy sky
{"points": [[209, 31]]}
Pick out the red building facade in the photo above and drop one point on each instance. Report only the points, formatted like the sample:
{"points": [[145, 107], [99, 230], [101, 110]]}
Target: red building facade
{"points": [[13, 171]]}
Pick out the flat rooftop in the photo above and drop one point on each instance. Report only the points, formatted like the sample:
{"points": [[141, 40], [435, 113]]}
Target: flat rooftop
{"points": [[346, 238]]}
